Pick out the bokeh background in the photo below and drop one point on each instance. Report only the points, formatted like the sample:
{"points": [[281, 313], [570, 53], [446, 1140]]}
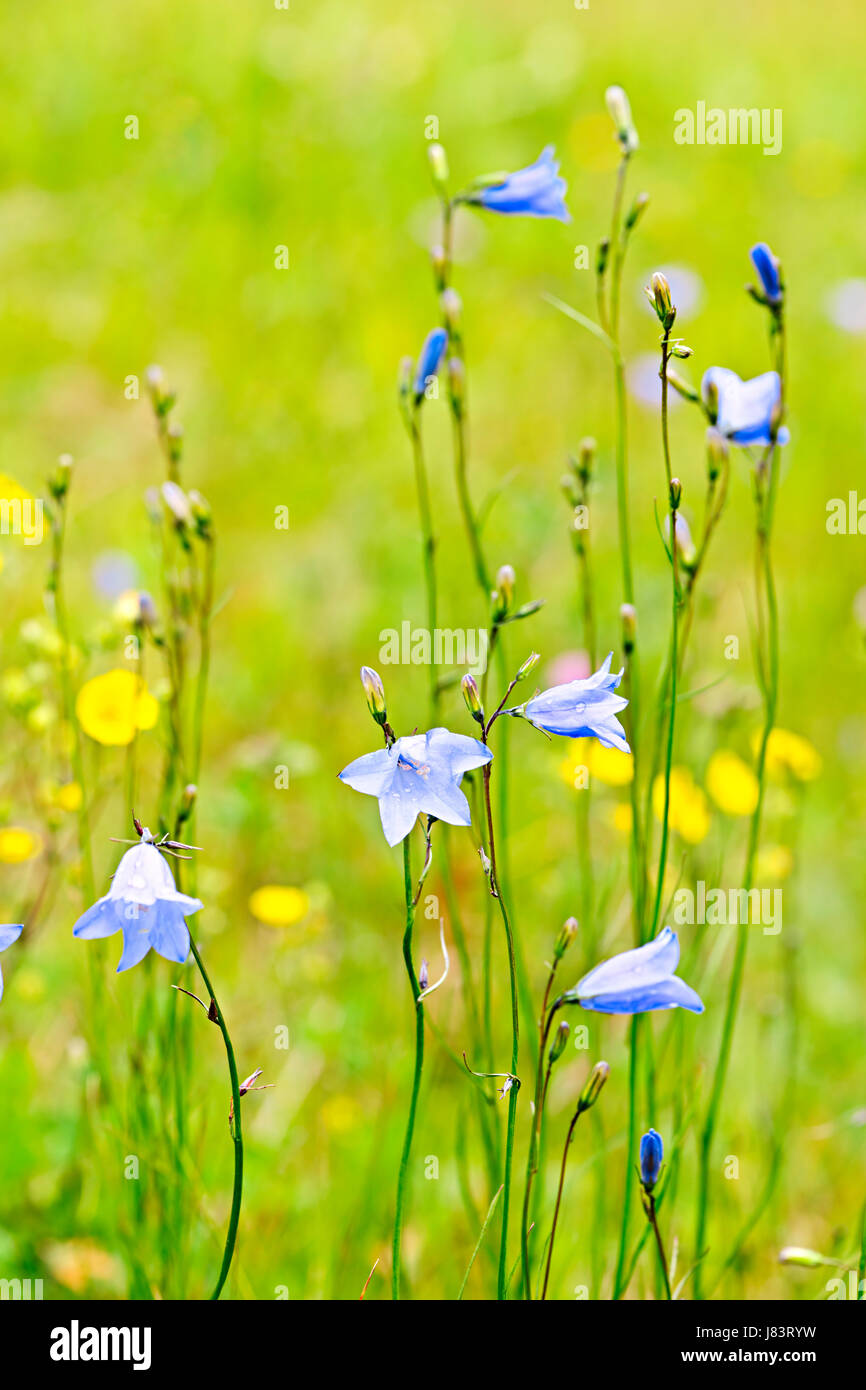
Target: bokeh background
{"points": [[305, 128]]}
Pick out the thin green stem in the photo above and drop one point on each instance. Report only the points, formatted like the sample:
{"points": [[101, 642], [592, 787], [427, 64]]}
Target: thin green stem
{"points": [[768, 664], [556, 1208], [416, 1079], [652, 1218], [515, 1040], [236, 1130], [544, 1023]]}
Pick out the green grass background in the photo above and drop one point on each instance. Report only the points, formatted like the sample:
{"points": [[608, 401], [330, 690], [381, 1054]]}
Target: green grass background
{"points": [[258, 128]]}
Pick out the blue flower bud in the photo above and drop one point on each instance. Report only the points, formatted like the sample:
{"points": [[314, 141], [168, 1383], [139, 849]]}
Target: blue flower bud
{"points": [[767, 267], [651, 1154], [429, 362]]}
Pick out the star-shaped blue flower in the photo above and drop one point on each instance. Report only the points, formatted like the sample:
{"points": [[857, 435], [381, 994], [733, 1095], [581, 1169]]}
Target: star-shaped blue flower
{"points": [[635, 982], [419, 774], [536, 191], [744, 408], [8, 934], [582, 709]]}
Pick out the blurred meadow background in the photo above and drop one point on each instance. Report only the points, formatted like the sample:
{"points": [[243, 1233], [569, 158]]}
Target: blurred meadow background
{"points": [[261, 128]]}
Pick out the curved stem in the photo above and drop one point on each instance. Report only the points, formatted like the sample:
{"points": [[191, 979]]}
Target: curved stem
{"points": [[653, 1220], [416, 1080], [568, 1139], [236, 1131]]}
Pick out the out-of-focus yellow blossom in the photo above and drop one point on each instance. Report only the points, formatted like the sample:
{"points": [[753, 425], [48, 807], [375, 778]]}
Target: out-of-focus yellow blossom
{"points": [[12, 492], [41, 717], [78, 1263], [341, 1114], [29, 984], [789, 753], [279, 906], [111, 708], [608, 765], [731, 783], [68, 797], [18, 844], [622, 817], [775, 862], [689, 813]]}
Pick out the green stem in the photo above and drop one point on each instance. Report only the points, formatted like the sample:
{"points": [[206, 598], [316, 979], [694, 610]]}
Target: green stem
{"points": [[652, 1218], [568, 1139], [544, 1023], [428, 547], [515, 1040], [416, 1080], [236, 1131], [770, 687]]}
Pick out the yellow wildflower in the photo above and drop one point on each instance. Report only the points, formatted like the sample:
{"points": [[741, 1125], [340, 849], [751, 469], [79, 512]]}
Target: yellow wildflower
{"points": [[279, 906], [789, 753], [607, 765], [775, 862], [68, 797], [689, 813], [731, 783], [18, 844], [111, 708]]}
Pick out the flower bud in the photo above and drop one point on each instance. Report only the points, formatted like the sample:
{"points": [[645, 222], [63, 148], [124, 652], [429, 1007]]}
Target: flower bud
{"points": [[375, 693], [676, 493], [557, 1047], [717, 452], [439, 262], [586, 451], [201, 513], [452, 307], [472, 698], [457, 383], [404, 377], [798, 1255], [567, 933], [591, 1091], [659, 295], [636, 211], [529, 665], [602, 256], [503, 594], [651, 1154], [628, 618], [711, 401], [438, 165], [620, 112], [58, 483], [178, 503], [686, 548]]}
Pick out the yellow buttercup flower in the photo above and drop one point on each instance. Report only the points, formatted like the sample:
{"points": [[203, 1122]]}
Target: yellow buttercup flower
{"points": [[18, 844], [68, 797], [279, 906], [731, 783], [622, 818], [789, 753], [689, 813], [775, 863], [113, 707], [607, 765]]}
